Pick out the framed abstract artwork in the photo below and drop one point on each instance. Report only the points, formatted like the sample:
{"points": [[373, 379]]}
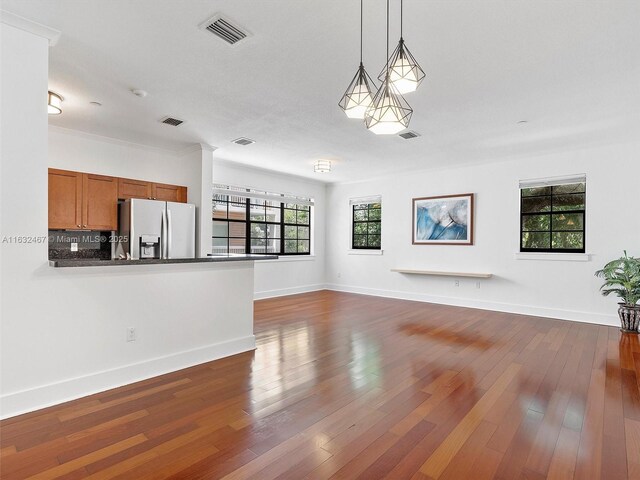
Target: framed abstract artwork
{"points": [[444, 220]]}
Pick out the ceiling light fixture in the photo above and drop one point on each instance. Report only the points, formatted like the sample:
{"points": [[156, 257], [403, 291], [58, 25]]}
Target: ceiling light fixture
{"points": [[406, 74], [322, 166], [54, 103], [389, 113], [358, 96]]}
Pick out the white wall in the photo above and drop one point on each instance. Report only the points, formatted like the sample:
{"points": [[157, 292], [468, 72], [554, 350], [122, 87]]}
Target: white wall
{"points": [[63, 331], [286, 275], [560, 289]]}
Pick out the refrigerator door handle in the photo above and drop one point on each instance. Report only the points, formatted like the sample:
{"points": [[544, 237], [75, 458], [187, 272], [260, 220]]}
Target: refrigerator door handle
{"points": [[163, 242], [168, 233]]}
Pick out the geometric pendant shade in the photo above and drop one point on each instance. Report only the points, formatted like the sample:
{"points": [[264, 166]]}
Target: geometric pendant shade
{"points": [[405, 73], [390, 113], [359, 94]]}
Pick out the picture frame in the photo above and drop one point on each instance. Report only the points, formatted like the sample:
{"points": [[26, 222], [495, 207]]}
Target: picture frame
{"points": [[443, 220]]}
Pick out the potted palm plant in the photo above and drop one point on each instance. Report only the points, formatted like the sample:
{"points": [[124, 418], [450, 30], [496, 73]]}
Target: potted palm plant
{"points": [[622, 277]]}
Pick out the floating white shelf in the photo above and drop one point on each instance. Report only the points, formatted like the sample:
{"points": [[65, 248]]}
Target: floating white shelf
{"points": [[443, 274]]}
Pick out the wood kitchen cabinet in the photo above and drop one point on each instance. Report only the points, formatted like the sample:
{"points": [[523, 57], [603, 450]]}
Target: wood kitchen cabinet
{"points": [[82, 201], [169, 193], [128, 188]]}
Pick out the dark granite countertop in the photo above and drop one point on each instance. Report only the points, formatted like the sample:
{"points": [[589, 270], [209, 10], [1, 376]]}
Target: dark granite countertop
{"points": [[61, 263]]}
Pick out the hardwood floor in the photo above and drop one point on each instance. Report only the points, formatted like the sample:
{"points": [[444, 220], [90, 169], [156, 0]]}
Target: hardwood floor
{"points": [[350, 386]]}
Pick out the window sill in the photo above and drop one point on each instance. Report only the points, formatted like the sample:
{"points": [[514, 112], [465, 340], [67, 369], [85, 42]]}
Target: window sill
{"points": [[292, 258], [557, 257], [365, 252]]}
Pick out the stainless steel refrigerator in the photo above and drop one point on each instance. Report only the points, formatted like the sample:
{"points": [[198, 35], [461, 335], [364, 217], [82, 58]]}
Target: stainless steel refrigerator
{"points": [[156, 229]]}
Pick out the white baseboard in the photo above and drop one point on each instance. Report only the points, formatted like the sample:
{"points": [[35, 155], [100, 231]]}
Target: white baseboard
{"points": [[17, 403], [576, 316], [288, 291]]}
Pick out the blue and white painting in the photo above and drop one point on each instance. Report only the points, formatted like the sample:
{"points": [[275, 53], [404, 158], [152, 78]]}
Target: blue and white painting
{"points": [[443, 220]]}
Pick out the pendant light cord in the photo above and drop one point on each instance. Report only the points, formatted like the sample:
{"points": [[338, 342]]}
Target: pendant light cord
{"points": [[387, 39], [361, 32], [401, 16]]}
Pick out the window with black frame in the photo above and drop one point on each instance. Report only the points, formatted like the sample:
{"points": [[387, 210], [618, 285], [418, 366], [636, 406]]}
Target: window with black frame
{"points": [[249, 221], [366, 228], [552, 217]]}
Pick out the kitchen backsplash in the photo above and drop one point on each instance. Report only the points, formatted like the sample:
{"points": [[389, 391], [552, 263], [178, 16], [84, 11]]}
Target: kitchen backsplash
{"points": [[85, 245]]}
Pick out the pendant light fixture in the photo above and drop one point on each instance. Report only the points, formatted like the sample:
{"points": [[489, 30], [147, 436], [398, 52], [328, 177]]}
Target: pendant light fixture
{"points": [[359, 94], [389, 113], [54, 103], [406, 74]]}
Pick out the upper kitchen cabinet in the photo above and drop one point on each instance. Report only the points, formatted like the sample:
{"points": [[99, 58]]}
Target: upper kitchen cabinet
{"points": [[65, 199], [99, 202], [128, 188], [82, 201], [169, 193]]}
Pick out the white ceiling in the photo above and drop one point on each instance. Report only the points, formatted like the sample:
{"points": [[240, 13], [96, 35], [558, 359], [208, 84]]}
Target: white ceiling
{"points": [[571, 68]]}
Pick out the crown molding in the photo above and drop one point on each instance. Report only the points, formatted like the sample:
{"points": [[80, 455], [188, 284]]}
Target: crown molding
{"points": [[30, 26]]}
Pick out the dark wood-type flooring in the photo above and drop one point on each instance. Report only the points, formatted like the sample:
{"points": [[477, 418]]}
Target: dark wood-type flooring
{"points": [[351, 386]]}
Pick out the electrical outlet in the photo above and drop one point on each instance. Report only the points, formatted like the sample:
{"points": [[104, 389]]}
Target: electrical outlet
{"points": [[477, 284], [131, 334], [74, 247], [456, 283]]}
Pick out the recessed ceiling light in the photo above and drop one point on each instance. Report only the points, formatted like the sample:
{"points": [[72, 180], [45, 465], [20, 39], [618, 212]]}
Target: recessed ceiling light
{"points": [[322, 166], [95, 104], [522, 122], [139, 93]]}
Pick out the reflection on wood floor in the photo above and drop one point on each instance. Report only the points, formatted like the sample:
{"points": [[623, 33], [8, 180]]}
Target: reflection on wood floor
{"points": [[351, 386]]}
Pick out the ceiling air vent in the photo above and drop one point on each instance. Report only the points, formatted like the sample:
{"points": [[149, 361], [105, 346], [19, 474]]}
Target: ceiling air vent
{"points": [[225, 29], [243, 141], [409, 135], [174, 122]]}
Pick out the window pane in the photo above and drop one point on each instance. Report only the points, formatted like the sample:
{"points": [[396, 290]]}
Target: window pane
{"points": [[289, 216], [258, 230], [219, 242], [374, 228], [359, 215], [375, 214], [373, 241], [303, 246], [303, 217], [569, 240], [238, 210], [360, 228], [536, 240], [273, 245], [568, 202], [257, 213], [535, 222], [290, 232], [273, 231], [220, 229], [361, 206], [290, 246], [536, 204], [571, 188], [258, 242], [530, 192], [568, 221], [237, 229], [303, 233], [219, 209], [359, 240], [273, 214]]}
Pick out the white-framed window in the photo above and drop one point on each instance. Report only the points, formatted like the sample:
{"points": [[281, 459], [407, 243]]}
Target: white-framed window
{"points": [[553, 215], [366, 223]]}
